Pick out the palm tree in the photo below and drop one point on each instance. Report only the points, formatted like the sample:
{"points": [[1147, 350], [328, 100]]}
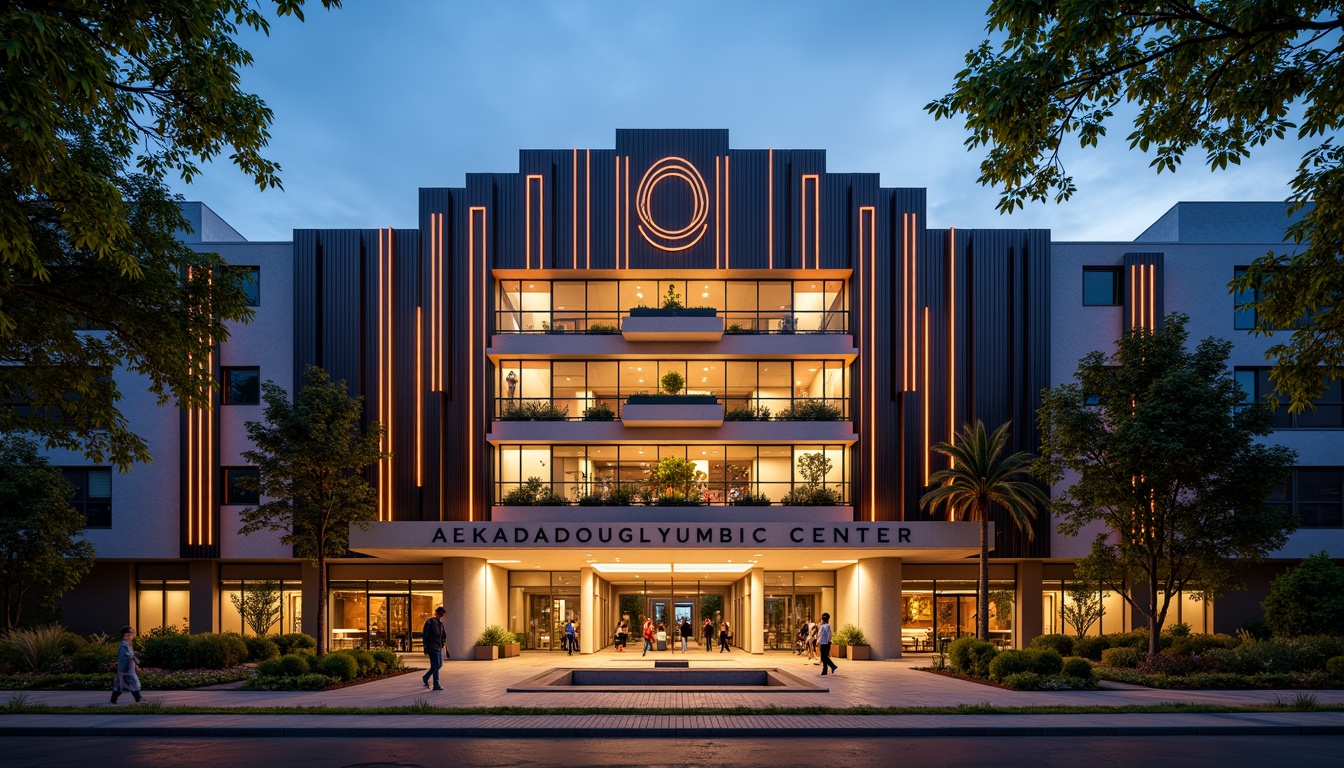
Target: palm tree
{"points": [[979, 476]]}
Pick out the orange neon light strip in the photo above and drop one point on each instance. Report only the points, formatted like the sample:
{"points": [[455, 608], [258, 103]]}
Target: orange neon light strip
{"points": [[419, 404], [718, 205], [871, 231], [678, 168], [1152, 296], [952, 337], [727, 218], [587, 208], [905, 302], [616, 196], [925, 389], [627, 211]]}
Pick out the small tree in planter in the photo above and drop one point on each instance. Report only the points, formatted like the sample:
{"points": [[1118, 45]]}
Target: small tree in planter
{"points": [[672, 299], [855, 643], [494, 643], [813, 467], [672, 382], [676, 481]]}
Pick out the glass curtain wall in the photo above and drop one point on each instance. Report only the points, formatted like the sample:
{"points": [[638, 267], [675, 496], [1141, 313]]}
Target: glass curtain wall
{"points": [[540, 602], [381, 614], [597, 306], [1063, 609], [272, 606], [567, 389], [936, 612], [791, 599], [731, 471], [162, 603], [666, 601]]}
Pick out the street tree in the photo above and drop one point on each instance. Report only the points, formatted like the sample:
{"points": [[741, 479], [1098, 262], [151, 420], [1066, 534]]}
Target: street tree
{"points": [[979, 478], [311, 456], [1162, 456], [103, 99], [43, 553], [1220, 77]]}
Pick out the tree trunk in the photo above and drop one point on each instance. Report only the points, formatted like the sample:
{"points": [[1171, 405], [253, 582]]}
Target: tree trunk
{"points": [[982, 598], [1153, 626], [321, 602]]}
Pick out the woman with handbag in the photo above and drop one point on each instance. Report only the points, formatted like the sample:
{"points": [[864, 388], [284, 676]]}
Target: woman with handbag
{"points": [[127, 666]]}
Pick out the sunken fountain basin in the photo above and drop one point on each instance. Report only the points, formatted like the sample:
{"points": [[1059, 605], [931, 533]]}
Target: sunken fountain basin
{"points": [[676, 679]]}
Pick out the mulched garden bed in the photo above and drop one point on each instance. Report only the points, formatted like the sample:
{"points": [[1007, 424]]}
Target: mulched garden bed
{"points": [[967, 678]]}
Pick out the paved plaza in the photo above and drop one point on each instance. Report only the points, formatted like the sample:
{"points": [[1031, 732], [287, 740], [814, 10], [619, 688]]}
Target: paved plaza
{"points": [[863, 683]]}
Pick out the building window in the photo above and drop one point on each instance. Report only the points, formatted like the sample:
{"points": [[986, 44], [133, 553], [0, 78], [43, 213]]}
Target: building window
{"points": [[251, 277], [273, 604], [1315, 495], [1327, 411], [233, 492], [93, 494], [242, 386], [1101, 286], [162, 603]]}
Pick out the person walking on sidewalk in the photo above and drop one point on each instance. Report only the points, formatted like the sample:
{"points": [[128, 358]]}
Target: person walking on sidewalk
{"points": [[571, 638], [685, 630], [725, 634], [435, 638], [824, 636], [708, 631], [128, 664], [648, 637]]}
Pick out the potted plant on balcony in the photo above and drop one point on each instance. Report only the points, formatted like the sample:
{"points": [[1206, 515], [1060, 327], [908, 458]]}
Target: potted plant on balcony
{"points": [[672, 384], [494, 643], [676, 482], [533, 493], [672, 307], [599, 412], [856, 645], [813, 493]]}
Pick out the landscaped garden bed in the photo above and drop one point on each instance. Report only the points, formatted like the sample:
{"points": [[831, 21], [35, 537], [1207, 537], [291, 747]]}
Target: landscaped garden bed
{"points": [[306, 672], [1033, 669]]}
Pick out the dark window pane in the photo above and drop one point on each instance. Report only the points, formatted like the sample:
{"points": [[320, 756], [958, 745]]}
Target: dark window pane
{"points": [[242, 386], [233, 492], [1246, 379], [1319, 484], [98, 514], [252, 285], [1101, 287], [1322, 416], [1321, 515]]}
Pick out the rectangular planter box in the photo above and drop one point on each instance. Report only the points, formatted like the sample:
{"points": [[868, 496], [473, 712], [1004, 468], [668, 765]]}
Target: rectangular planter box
{"points": [[512, 649], [679, 414], [487, 652], [672, 327], [860, 652], [837, 651]]}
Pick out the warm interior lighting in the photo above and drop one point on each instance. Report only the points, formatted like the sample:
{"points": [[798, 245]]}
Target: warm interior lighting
{"points": [[632, 567], [501, 562], [839, 562], [711, 567]]}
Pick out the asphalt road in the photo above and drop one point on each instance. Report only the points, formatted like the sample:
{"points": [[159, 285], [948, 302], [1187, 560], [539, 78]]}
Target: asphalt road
{"points": [[1037, 752]]}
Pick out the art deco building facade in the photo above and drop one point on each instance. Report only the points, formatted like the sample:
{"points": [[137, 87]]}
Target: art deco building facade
{"points": [[550, 345]]}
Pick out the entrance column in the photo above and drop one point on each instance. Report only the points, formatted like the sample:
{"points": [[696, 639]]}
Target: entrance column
{"points": [[1030, 609], [877, 586], [464, 597], [756, 605], [588, 619]]}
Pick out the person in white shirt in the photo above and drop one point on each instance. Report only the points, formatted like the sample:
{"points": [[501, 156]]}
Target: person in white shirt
{"points": [[825, 638]]}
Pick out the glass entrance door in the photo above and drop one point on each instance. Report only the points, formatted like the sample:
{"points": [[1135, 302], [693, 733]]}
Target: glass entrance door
{"points": [[954, 616], [389, 622]]}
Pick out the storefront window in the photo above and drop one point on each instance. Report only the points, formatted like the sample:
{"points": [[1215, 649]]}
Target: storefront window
{"points": [[791, 599], [936, 612], [260, 607], [162, 603], [381, 614], [540, 603], [1068, 610]]}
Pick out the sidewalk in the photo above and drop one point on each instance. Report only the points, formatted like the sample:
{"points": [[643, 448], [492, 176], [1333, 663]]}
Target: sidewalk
{"points": [[483, 684]]}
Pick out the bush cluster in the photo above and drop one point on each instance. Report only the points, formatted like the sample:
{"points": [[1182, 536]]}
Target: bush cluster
{"points": [[295, 642], [1041, 661], [207, 650], [304, 671], [971, 656], [1061, 644]]}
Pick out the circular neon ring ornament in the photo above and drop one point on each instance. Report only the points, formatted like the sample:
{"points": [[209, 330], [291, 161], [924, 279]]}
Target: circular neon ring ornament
{"points": [[669, 169]]}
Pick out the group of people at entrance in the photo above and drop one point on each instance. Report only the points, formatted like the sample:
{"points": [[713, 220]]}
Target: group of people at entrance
{"points": [[655, 635], [815, 639]]}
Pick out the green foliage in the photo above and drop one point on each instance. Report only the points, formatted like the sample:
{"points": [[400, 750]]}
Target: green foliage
{"points": [[1218, 77], [1335, 666], [216, 651], [850, 634], [387, 660], [814, 467], [261, 648], [294, 664], [676, 481], [736, 328], [1307, 599], [1061, 644], [167, 651], [672, 382], [748, 413], [341, 666], [1123, 657], [364, 659], [150, 679], [532, 410], [1160, 440], [311, 458], [532, 493], [35, 649], [294, 642], [1090, 646], [750, 500], [811, 410], [1045, 661], [313, 681], [1077, 667], [497, 636], [43, 553], [1009, 662], [103, 101], [809, 496], [1084, 607], [972, 656], [980, 477], [603, 328], [258, 603], [672, 299], [599, 412], [621, 494], [1296, 654]]}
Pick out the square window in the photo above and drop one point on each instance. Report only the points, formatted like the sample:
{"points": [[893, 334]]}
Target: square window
{"points": [[242, 386], [1101, 286], [93, 494], [251, 277], [234, 493]]}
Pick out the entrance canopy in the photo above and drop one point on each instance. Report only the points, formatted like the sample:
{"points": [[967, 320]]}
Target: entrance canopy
{"points": [[694, 550]]}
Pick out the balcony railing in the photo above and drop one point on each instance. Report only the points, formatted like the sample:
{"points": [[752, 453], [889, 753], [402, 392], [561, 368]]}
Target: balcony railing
{"points": [[735, 321], [603, 408]]}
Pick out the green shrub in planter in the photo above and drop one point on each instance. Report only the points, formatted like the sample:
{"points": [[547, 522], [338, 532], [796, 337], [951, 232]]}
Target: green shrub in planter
{"points": [[971, 656], [1024, 681], [750, 500], [292, 642], [261, 648], [312, 681], [1075, 666], [1090, 647], [341, 666], [171, 651], [294, 665], [497, 636], [1061, 644], [1335, 666], [387, 659], [1120, 658], [217, 651], [1009, 663]]}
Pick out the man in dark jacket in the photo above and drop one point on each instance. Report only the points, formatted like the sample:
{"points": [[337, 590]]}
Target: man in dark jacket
{"points": [[435, 637]]}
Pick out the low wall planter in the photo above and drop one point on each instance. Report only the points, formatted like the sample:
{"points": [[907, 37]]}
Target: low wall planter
{"points": [[860, 652], [837, 650], [683, 312], [680, 327], [686, 411], [487, 652], [512, 649]]}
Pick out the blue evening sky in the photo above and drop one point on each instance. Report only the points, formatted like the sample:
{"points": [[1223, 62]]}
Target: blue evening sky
{"points": [[385, 96]]}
